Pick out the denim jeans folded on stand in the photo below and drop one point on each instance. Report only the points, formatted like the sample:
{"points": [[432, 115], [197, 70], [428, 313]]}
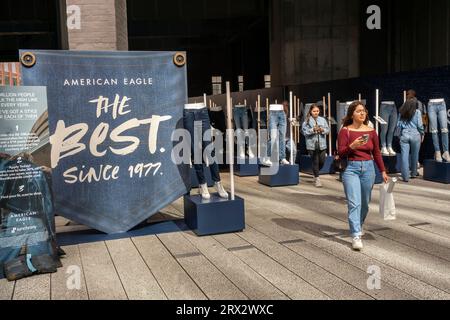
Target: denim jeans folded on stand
{"points": [[197, 121], [388, 111], [437, 113]]}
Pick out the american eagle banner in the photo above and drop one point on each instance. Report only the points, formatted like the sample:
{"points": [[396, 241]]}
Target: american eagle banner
{"points": [[111, 118]]}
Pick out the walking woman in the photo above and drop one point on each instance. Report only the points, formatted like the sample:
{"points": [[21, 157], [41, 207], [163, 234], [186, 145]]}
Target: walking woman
{"points": [[411, 136], [315, 130], [359, 144]]}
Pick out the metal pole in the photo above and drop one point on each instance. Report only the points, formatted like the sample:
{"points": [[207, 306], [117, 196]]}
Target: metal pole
{"points": [[230, 139], [330, 149], [258, 103], [291, 128], [377, 107]]}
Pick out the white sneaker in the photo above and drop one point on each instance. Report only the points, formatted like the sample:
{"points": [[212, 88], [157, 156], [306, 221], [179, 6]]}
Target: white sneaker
{"points": [[221, 190], [446, 156], [318, 183], [250, 153], [384, 151], [418, 165], [285, 162], [203, 190], [242, 153], [266, 162], [357, 243], [391, 151], [437, 156]]}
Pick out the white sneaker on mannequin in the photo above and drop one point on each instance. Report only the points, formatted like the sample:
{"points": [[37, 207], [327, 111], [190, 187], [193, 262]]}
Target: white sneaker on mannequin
{"points": [[221, 190], [203, 190], [284, 162], [446, 156], [241, 152], [266, 162], [391, 151], [250, 153], [438, 156], [384, 151]]}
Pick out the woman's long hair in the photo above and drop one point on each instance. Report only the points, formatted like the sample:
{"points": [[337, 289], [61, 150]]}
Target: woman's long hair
{"points": [[348, 120], [408, 109], [309, 112]]}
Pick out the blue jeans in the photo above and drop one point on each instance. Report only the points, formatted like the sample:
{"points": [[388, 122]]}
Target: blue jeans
{"points": [[240, 118], [410, 143], [358, 179], [437, 112], [277, 122], [198, 121], [388, 111], [263, 120]]}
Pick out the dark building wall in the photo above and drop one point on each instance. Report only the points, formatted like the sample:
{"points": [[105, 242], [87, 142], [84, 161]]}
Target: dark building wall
{"points": [[314, 40], [221, 37], [415, 34], [28, 24]]}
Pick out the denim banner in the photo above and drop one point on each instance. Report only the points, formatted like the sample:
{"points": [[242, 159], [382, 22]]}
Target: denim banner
{"points": [[111, 117]]}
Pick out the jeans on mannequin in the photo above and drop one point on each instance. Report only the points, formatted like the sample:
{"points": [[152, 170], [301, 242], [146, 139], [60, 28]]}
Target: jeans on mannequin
{"points": [[388, 111], [197, 123], [277, 125], [437, 114], [240, 118]]}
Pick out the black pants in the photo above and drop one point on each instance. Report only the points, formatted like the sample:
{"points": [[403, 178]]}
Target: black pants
{"points": [[318, 160]]}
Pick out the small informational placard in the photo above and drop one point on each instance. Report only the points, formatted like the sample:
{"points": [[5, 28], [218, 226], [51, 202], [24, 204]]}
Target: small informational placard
{"points": [[26, 205], [22, 111]]}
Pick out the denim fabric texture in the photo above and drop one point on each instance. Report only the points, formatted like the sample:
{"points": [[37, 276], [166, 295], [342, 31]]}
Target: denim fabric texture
{"points": [[197, 123], [358, 179], [410, 145], [240, 116], [437, 114], [313, 139], [389, 113], [116, 205], [277, 124]]}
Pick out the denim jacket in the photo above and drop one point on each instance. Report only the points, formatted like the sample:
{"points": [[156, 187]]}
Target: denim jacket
{"points": [[414, 123], [314, 139]]}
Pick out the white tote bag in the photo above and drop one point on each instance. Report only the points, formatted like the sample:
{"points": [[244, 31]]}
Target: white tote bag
{"points": [[387, 204]]}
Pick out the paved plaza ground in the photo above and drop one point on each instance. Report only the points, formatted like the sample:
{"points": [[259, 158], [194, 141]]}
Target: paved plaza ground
{"points": [[296, 245]]}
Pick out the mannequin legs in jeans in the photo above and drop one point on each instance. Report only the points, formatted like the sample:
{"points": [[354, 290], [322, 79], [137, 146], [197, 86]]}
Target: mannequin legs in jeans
{"points": [[388, 111], [358, 179], [437, 112], [277, 122]]}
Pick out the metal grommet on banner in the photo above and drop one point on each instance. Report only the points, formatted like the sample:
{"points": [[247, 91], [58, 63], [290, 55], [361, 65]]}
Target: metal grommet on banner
{"points": [[179, 59], [28, 59]]}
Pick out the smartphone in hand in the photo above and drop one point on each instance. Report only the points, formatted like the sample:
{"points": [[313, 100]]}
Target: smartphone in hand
{"points": [[365, 137]]}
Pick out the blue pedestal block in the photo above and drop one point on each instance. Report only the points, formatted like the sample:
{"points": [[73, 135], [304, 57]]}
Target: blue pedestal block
{"points": [[306, 165], [393, 164], [214, 216], [287, 175], [436, 171], [194, 180], [246, 167]]}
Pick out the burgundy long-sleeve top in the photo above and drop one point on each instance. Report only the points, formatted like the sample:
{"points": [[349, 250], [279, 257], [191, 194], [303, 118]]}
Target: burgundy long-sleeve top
{"points": [[369, 151]]}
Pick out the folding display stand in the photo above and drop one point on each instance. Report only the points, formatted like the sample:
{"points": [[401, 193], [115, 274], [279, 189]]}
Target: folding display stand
{"points": [[247, 169], [217, 215], [393, 164], [284, 175], [436, 171]]}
